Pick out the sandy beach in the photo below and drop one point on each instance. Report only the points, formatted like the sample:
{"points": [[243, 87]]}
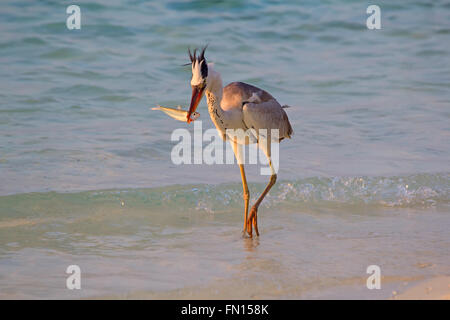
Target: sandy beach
{"points": [[437, 288]]}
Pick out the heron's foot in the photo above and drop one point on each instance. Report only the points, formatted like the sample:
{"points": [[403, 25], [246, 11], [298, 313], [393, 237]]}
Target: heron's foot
{"points": [[245, 235], [252, 221]]}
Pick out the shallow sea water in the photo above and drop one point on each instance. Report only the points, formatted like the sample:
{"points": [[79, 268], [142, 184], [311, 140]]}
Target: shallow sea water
{"points": [[86, 176]]}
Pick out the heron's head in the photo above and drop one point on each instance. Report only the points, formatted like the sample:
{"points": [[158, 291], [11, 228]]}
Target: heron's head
{"points": [[198, 81]]}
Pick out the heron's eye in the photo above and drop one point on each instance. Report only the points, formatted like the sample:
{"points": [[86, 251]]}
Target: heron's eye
{"points": [[202, 85]]}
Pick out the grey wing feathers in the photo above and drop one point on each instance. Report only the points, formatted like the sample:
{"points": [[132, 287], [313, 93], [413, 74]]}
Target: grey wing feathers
{"points": [[235, 93], [267, 115], [260, 109]]}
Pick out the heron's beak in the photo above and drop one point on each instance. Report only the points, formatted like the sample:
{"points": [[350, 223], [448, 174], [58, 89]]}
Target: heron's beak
{"points": [[197, 94]]}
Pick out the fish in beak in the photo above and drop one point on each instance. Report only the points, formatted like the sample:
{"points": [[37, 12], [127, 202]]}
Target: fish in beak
{"points": [[197, 94], [177, 113]]}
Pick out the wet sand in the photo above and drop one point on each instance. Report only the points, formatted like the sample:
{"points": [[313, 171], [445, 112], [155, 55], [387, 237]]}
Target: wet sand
{"points": [[437, 288]]}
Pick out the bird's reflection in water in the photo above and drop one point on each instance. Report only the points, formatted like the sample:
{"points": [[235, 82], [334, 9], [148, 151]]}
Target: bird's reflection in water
{"points": [[250, 244]]}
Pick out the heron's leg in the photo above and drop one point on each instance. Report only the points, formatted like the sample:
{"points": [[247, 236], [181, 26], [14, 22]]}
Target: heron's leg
{"points": [[238, 152], [253, 217], [246, 196]]}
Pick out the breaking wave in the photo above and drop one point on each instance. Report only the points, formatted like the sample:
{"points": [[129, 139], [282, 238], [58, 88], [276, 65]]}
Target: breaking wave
{"points": [[420, 190]]}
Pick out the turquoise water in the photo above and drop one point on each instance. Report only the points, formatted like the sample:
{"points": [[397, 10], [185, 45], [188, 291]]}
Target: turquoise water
{"points": [[86, 176]]}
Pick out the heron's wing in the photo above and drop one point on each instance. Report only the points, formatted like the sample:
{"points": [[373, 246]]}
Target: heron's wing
{"points": [[267, 115], [236, 93]]}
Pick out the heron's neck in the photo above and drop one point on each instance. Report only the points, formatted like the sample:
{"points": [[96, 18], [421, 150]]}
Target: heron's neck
{"points": [[214, 91]]}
